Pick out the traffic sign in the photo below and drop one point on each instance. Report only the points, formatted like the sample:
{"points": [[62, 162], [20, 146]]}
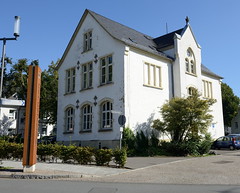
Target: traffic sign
{"points": [[121, 120]]}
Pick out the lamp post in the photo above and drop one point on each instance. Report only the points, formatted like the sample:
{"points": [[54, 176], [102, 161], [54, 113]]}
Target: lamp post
{"points": [[16, 34]]}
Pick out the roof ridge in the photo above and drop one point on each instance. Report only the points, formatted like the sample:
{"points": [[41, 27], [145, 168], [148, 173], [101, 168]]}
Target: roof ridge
{"points": [[92, 12]]}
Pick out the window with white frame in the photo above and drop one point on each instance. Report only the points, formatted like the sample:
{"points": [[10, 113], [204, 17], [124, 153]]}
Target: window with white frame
{"points": [[87, 75], [152, 75], [190, 63], [87, 41], [69, 119], [87, 117], [106, 115], [106, 70], [70, 80], [207, 89]]}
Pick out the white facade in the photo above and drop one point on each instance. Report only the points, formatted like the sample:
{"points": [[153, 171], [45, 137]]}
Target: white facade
{"points": [[109, 69]]}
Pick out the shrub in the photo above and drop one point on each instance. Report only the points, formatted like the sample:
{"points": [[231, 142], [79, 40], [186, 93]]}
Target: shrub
{"points": [[17, 150], [3, 149], [120, 156], [83, 155], [205, 145], [67, 153], [103, 156]]}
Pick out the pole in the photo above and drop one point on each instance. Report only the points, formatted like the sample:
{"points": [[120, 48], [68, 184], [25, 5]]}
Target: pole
{"points": [[3, 66]]}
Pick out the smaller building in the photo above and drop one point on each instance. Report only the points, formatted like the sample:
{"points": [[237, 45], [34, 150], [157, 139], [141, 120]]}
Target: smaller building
{"points": [[235, 125], [10, 115]]}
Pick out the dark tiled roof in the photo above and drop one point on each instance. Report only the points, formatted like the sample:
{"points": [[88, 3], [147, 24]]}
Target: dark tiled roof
{"points": [[205, 70], [167, 40], [127, 35]]}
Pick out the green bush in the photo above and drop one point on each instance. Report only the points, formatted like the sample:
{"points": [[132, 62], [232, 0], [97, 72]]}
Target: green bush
{"points": [[3, 149], [83, 155], [120, 156], [205, 145], [67, 153], [17, 151], [103, 156]]}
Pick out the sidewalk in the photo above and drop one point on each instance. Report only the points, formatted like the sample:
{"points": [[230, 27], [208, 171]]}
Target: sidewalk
{"points": [[219, 169], [59, 170]]}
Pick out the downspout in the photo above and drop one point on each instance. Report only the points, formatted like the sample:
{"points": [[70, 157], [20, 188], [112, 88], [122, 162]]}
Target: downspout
{"points": [[172, 79]]}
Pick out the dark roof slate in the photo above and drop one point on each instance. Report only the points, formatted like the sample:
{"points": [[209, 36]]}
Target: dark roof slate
{"points": [[205, 70], [127, 35], [167, 40]]}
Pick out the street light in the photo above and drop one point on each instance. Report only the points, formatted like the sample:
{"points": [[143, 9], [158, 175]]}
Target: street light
{"points": [[16, 35]]}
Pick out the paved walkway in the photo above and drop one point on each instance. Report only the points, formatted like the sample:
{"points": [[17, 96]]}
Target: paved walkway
{"points": [[220, 169]]}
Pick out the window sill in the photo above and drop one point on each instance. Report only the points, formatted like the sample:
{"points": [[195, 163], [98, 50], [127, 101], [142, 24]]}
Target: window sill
{"points": [[68, 132], [69, 93], [150, 86], [85, 51], [189, 73], [86, 131], [106, 84], [105, 130], [84, 89]]}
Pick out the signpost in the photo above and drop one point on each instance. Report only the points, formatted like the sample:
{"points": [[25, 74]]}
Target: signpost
{"points": [[32, 115], [121, 121]]}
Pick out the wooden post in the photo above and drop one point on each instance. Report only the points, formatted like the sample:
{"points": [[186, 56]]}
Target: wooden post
{"points": [[31, 120]]}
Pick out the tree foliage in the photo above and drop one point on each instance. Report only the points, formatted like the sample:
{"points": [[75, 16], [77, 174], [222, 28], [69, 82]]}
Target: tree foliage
{"points": [[15, 83], [185, 118], [230, 104], [49, 89], [16, 80]]}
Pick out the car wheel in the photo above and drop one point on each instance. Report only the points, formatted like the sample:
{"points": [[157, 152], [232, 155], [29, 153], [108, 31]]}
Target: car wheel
{"points": [[231, 147]]}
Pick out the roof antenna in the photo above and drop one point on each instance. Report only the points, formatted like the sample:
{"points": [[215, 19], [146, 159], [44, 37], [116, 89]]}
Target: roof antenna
{"points": [[166, 28], [187, 20]]}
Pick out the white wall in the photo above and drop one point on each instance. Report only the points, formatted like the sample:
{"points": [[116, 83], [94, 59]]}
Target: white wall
{"points": [[217, 127], [142, 102], [103, 44]]}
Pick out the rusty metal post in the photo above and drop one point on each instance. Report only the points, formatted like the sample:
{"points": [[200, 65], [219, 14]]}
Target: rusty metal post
{"points": [[31, 121]]}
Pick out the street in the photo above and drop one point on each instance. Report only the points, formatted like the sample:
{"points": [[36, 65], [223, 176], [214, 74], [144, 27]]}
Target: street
{"points": [[57, 186]]}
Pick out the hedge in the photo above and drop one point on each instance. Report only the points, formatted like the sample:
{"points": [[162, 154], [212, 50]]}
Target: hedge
{"points": [[67, 154]]}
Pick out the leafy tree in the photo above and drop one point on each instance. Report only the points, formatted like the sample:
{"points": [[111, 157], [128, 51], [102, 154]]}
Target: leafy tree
{"points": [[16, 79], [185, 118], [230, 104], [49, 89], [16, 83]]}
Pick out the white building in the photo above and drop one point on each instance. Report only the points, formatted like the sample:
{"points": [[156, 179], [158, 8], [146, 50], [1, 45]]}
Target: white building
{"points": [[109, 69], [10, 111]]}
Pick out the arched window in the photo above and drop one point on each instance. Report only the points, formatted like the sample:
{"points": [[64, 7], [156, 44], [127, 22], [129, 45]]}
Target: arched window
{"points": [[106, 115], [190, 90], [86, 117], [69, 119], [190, 62]]}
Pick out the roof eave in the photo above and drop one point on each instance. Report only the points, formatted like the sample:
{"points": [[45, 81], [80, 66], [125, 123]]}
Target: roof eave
{"points": [[72, 38]]}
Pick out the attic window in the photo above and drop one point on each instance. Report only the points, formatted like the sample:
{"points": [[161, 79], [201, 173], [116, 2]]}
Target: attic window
{"points": [[147, 37], [132, 40], [87, 41], [152, 47]]}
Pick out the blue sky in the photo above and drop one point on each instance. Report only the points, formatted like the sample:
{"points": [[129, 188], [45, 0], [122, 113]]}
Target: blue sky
{"points": [[47, 26]]}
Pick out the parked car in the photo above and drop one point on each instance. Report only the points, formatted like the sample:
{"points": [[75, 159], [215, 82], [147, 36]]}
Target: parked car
{"points": [[231, 141], [47, 139]]}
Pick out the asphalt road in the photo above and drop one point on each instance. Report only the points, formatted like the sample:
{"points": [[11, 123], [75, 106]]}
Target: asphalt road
{"points": [[52, 186]]}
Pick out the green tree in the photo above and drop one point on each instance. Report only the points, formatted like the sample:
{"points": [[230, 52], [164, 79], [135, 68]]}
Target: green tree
{"points": [[16, 79], [16, 83], [185, 118], [49, 89], [230, 104]]}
